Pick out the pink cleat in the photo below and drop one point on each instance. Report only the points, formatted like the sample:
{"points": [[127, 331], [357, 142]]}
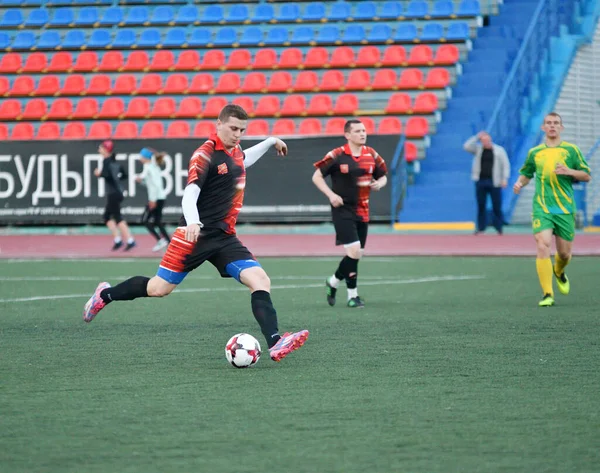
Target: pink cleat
{"points": [[287, 344], [95, 304]]}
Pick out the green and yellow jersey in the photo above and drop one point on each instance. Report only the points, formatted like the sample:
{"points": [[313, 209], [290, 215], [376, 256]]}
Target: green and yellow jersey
{"points": [[553, 192]]}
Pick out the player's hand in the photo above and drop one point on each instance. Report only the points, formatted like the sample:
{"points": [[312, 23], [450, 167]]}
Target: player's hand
{"points": [[336, 201], [138, 179], [151, 205], [97, 172], [375, 185], [192, 232], [504, 184], [281, 147], [517, 187], [562, 170]]}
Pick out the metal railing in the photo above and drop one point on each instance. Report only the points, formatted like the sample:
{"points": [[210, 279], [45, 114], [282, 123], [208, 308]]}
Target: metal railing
{"points": [[398, 180]]}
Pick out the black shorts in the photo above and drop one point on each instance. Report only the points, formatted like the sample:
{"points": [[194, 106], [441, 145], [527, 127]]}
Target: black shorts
{"points": [[349, 230], [215, 246], [112, 211]]}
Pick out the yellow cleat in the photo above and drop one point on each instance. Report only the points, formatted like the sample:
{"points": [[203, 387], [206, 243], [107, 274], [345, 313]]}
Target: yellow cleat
{"points": [[547, 301], [562, 282]]}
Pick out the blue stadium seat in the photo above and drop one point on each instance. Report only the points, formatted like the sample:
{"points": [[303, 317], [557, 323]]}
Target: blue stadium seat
{"points": [[432, 32], [200, 37], [469, 8], [405, 32], [278, 35], [176, 38], [251, 36], [391, 11], [124, 39], [237, 14], [212, 14], [74, 39], [99, 39], [4, 40], [328, 35], [340, 11], [162, 15], [37, 17], [417, 9], [112, 16], [379, 33], [137, 16], [302, 35], [150, 38], [186, 15], [48, 40], [62, 17], [263, 13], [353, 34], [226, 36], [457, 31], [87, 16], [442, 8], [314, 12], [288, 13], [365, 11], [11, 19]]}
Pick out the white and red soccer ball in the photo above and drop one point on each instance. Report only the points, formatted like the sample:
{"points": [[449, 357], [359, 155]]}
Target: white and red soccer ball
{"points": [[242, 350]]}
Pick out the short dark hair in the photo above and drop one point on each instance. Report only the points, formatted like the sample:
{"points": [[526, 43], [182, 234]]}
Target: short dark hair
{"points": [[349, 123], [553, 114], [232, 110]]}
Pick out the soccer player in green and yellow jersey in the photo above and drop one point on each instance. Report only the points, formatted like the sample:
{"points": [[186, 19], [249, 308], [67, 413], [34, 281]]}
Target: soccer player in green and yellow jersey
{"points": [[556, 164]]}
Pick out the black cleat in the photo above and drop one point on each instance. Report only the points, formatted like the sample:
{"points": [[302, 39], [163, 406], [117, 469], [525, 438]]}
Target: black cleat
{"points": [[116, 246], [130, 246], [356, 303], [331, 292]]}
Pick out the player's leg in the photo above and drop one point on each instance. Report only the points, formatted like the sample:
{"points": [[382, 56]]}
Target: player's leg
{"points": [[345, 234], [564, 234], [111, 224], [157, 213], [481, 196], [146, 220], [355, 252], [496, 193], [543, 229]]}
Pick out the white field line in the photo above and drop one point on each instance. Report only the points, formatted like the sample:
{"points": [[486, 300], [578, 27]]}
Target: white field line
{"points": [[274, 287]]}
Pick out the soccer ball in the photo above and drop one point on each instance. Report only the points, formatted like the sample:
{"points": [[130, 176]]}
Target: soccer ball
{"points": [[242, 350]]}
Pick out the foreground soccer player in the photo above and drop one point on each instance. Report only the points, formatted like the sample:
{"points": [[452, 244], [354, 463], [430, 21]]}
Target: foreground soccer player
{"points": [[355, 170], [211, 202], [556, 164]]}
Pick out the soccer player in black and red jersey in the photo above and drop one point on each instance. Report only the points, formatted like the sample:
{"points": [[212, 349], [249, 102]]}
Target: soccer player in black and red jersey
{"points": [[355, 170], [211, 203]]}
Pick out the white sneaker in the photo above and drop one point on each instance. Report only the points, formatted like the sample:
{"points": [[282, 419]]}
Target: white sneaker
{"points": [[160, 244]]}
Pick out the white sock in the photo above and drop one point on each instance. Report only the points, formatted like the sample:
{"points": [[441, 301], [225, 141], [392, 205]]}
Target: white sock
{"points": [[352, 293], [117, 239], [334, 282], [130, 241]]}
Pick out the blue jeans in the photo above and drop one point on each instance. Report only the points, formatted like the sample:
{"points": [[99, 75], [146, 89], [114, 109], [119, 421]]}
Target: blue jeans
{"points": [[483, 188]]}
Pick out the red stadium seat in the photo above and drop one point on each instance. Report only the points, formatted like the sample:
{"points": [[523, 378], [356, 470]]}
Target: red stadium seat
{"points": [[187, 61], [246, 103], [152, 130], [284, 127], [437, 78], [416, 127], [320, 104], [389, 126], [213, 107], [176, 84], [254, 82], [385, 79], [164, 107], [213, 60], [85, 109], [426, 102], [420, 55], [332, 80], [138, 107], [293, 106], [162, 61], [61, 109], [368, 56], [369, 124], [74, 85], [34, 109], [126, 130], [112, 108], [291, 58], [410, 151], [87, 61], [316, 58], [137, 61], [394, 56], [4, 85], [48, 131], [10, 109], [99, 85], [125, 84], [335, 126], [100, 130], [178, 129], [202, 84], [447, 54], [239, 59], [74, 131], [10, 63], [3, 132], [306, 81], [346, 104], [359, 79], [411, 79], [399, 103], [36, 62], [23, 85], [265, 59], [22, 132], [60, 62], [281, 81], [151, 84], [342, 56], [267, 106], [48, 85], [258, 128], [112, 61], [204, 129], [310, 126], [228, 83], [189, 107]]}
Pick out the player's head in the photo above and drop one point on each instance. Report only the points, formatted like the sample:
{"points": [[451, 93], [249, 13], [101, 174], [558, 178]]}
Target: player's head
{"points": [[231, 125], [106, 148], [485, 139], [552, 125], [355, 132]]}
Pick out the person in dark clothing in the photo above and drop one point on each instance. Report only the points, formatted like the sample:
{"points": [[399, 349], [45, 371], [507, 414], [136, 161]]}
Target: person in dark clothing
{"points": [[112, 172]]}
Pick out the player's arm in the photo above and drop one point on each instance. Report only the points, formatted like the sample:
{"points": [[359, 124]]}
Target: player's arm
{"points": [[319, 181], [581, 176], [471, 144], [380, 175], [190, 212], [522, 181], [253, 154], [526, 173]]}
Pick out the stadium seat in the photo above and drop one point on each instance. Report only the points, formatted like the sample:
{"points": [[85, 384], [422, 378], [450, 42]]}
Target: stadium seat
{"points": [[254, 82], [3, 132], [35, 62], [48, 131], [60, 62], [213, 106], [265, 59], [22, 85], [237, 14], [176, 38], [204, 129], [288, 13], [358, 79], [186, 15], [457, 32], [394, 56], [212, 14], [258, 128], [280, 81], [346, 104], [48, 40], [426, 102], [306, 81], [187, 61], [410, 151], [399, 103], [316, 58], [432, 32], [125, 84], [162, 61], [22, 132], [4, 86], [335, 126], [340, 11], [406, 32], [302, 35], [126, 130], [389, 126], [10, 109], [368, 56], [469, 8], [162, 15], [369, 124], [446, 54], [379, 34], [138, 107], [314, 12], [320, 104], [201, 84], [342, 57], [152, 129], [228, 83], [310, 126], [87, 61], [136, 61], [112, 16], [284, 127], [417, 9], [23, 40], [47, 86], [99, 39], [332, 80], [74, 39], [293, 105], [176, 84], [112, 61], [291, 58], [189, 107], [5, 41], [328, 34], [37, 18], [112, 108], [61, 109], [246, 103], [99, 85], [87, 16], [437, 78], [214, 59], [74, 131], [74, 85], [267, 106], [178, 129], [442, 9], [100, 131], [416, 127], [151, 84], [239, 59], [85, 109], [226, 36], [365, 11], [62, 17], [252, 36], [411, 79], [385, 79], [263, 13], [124, 39], [10, 63], [138, 15], [277, 36], [420, 55], [391, 10], [353, 34]]}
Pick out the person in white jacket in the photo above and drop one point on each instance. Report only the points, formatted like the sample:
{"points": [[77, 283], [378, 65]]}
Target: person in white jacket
{"points": [[151, 178]]}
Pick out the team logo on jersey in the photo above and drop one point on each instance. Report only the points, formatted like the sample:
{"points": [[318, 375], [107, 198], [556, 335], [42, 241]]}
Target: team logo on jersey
{"points": [[344, 168], [222, 168]]}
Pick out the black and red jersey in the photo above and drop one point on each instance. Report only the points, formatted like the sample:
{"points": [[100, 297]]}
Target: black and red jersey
{"points": [[351, 177], [221, 176]]}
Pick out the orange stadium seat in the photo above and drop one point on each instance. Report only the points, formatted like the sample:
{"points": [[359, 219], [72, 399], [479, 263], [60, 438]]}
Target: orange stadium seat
{"points": [[265, 59], [246, 103], [204, 129], [34, 109], [74, 131], [87, 61], [61, 109], [293, 105], [447, 54], [151, 84], [201, 84], [176, 84], [358, 79], [437, 78], [138, 107], [189, 107], [332, 80], [137, 61], [254, 82], [398, 103], [228, 83], [86, 108], [310, 126], [112, 61], [239, 59], [125, 84], [306, 81], [267, 106], [10, 109], [394, 56], [48, 85], [23, 85], [164, 107], [411, 79], [188, 61], [258, 128], [385, 79], [152, 129], [320, 104], [335, 126], [60, 62], [10, 63], [99, 85], [416, 127], [368, 56], [213, 106], [342, 56], [317, 58], [389, 126], [112, 107], [420, 55], [3, 132], [36, 62], [283, 127], [346, 104], [369, 125], [4, 85], [162, 61], [426, 102], [410, 151], [291, 58], [48, 131], [22, 131], [178, 129], [214, 59], [280, 81], [126, 130], [74, 85], [100, 130]]}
